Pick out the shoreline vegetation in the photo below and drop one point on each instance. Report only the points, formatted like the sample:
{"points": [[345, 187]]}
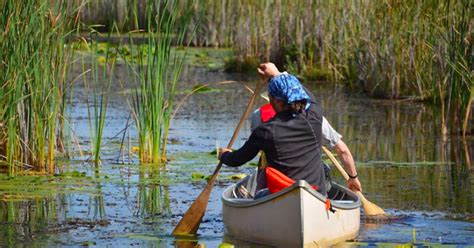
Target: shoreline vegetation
{"points": [[388, 49]]}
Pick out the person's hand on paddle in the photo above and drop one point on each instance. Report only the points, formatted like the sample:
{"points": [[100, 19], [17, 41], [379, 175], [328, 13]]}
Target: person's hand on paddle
{"points": [[267, 70], [222, 151], [354, 184]]}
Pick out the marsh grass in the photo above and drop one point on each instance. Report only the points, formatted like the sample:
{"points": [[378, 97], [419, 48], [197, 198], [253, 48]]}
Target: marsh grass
{"points": [[157, 70], [33, 73], [393, 49], [102, 78], [456, 85]]}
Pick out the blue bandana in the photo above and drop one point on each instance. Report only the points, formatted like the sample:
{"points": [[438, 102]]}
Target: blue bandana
{"points": [[287, 88]]}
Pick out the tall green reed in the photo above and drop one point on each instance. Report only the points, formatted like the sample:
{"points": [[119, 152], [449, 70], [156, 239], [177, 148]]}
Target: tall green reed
{"points": [[102, 77], [455, 81], [33, 71], [157, 69]]}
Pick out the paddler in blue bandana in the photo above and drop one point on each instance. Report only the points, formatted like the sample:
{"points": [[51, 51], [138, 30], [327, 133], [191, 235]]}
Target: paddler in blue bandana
{"points": [[292, 139]]}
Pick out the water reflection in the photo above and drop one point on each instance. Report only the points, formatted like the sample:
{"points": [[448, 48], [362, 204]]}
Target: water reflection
{"points": [[404, 162], [22, 221], [427, 188], [96, 201], [153, 195]]}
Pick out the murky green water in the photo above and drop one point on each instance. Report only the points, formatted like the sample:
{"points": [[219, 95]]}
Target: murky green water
{"points": [[403, 163]]}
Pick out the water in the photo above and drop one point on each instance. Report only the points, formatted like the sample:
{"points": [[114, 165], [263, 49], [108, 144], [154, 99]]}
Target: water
{"points": [[404, 165]]}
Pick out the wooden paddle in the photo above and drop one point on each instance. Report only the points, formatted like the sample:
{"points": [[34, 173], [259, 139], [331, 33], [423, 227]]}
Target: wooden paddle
{"points": [[191, 220], [370, 208]]}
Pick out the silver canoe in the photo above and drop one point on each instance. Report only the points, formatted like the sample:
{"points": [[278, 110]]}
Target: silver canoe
{"points": [[293, 217]]}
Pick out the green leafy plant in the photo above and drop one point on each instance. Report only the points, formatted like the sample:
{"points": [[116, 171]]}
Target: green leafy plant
{"points": [[157, 70]]}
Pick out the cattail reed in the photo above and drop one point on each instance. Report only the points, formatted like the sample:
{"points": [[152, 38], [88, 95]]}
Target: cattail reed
{"points": [[157, 69], [33, 71], [102, 76]]}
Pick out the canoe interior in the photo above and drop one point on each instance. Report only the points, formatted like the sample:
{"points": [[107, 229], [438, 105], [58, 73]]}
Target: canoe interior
{"points": [[340, 196]]}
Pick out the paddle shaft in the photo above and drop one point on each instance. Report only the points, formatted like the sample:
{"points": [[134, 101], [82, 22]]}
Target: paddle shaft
{"points": [[336, 163], [369, 207], [191, 220]]}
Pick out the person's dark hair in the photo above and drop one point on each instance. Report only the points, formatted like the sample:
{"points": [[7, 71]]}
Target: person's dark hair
{"points": [[298, 106]]}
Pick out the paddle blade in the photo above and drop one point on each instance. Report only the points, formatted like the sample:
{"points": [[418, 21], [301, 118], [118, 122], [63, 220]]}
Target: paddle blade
{"points": [[369, 207], [191, 220]]}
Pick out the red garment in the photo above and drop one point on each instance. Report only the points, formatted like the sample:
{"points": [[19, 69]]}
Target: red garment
{"points": [[277, 181], [266, 112]]}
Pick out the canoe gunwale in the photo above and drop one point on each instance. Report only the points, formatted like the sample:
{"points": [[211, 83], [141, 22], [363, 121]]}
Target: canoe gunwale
{"points": [[300, 184]]}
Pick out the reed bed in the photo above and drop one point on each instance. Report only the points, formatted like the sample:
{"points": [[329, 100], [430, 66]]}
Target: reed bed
{"points": [[157, 69], [33, 72], [389, 49]]}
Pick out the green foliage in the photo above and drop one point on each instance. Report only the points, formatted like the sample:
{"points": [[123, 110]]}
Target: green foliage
{"points": [[389, 49], [71, 174], [158, 71], [316, 74], [226, 245], [246, 65], [201, 88], [199, 176], [236, 177], [453, 83], [33, 72]]}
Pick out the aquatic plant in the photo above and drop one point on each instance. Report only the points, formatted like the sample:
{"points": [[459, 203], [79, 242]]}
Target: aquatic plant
{"points": [[33, 72], [390, 49], [454, 83], [157, 70], [102, 76]]}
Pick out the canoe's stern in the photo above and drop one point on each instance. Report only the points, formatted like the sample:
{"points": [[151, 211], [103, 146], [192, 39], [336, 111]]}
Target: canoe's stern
{"points": [[264, 224], [321, 227], [293, 217]]}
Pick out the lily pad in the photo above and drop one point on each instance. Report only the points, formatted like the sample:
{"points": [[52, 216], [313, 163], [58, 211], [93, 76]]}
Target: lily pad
{"points": [[226, 245], [88, 243], [237, 176], [144, 237], [197, 176]]}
